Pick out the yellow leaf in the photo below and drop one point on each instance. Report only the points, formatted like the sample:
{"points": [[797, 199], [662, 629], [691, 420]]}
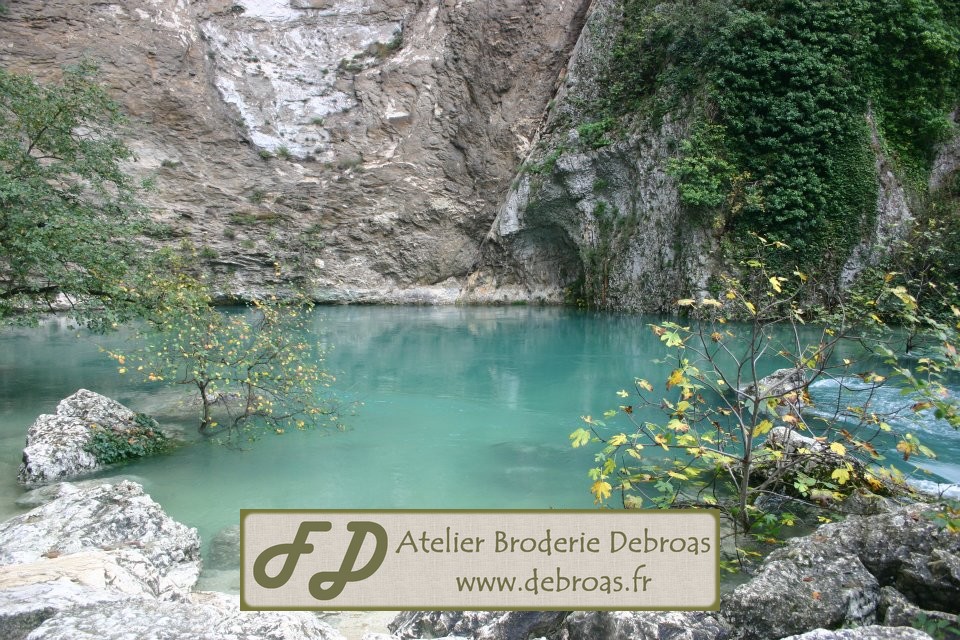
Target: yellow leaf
{"points": [[600, 490], [711, 302], [762, 427], [686, 302], [643, 384], [622, 393], [618, 440], [838, 449], [634, 451], [840, 475], [678, 476], [676, 377], [775, 283], [750, 306]]}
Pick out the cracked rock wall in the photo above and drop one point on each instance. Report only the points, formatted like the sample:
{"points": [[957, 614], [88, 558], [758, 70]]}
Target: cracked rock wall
{"points": [[358, 147]]}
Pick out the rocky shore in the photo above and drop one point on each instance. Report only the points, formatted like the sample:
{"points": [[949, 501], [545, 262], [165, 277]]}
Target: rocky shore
{"points": [[106, 562]]}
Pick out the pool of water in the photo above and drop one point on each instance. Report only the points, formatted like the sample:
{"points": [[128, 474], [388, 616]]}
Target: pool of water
{"points": [[461, 408]]}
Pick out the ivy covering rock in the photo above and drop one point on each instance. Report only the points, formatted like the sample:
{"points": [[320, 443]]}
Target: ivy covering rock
{"points": [[87, 432]]}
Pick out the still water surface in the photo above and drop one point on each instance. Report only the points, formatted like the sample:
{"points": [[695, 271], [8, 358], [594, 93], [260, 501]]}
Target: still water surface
{"points": [[462, 408]]}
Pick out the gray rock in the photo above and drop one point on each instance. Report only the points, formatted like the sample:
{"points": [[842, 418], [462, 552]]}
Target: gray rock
{"points": [[33, 592], [49, 492], [897, 611], [207, 616], [645, 625], [784, 385], [480, 625], [108, 517], [224, 552], [872, 632], [800, 592], [833, 577], [55, 443]]}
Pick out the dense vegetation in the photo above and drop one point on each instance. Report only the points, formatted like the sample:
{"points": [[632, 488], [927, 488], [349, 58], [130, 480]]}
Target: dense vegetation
{"points": [[789, 100]]}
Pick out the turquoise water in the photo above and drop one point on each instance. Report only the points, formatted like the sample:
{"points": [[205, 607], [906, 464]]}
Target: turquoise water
{"points": [[462, 408]]}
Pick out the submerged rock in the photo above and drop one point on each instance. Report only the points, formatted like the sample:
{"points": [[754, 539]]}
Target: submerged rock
{"points": [[57, 445], [108, 517], [225, 549]]}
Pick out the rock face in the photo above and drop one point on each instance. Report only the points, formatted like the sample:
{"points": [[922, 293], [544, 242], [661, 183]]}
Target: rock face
{"points": [[56, 443], [603, 219], [364, 145]]}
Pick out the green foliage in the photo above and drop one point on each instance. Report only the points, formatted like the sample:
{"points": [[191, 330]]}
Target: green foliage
{"points": [[716, 434], [781, 91], [936, 628], [66, 206], [594, 134], [141, 440]]}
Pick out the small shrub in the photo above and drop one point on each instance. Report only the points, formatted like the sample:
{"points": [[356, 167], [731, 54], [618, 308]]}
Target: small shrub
{"points": [[158, 230], [208, 253], [594, 134], [284, 153], [257, 196], [229, 234], [243, 218], [265, 154], [170, 164]]}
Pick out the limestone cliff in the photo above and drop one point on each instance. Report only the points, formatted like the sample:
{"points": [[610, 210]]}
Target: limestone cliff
{"points": [[362, 145], [601, 220]]}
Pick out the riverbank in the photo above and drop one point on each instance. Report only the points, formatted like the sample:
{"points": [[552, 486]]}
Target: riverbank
{"points": [[107, 562]]}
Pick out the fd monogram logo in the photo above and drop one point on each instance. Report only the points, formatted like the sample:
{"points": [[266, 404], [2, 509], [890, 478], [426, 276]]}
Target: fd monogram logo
{"points": [[336, 580]]}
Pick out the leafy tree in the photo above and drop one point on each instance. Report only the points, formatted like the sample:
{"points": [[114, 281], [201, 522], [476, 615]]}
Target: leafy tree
{"points": [[717, 433], [67, 207], [258, 368]]}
